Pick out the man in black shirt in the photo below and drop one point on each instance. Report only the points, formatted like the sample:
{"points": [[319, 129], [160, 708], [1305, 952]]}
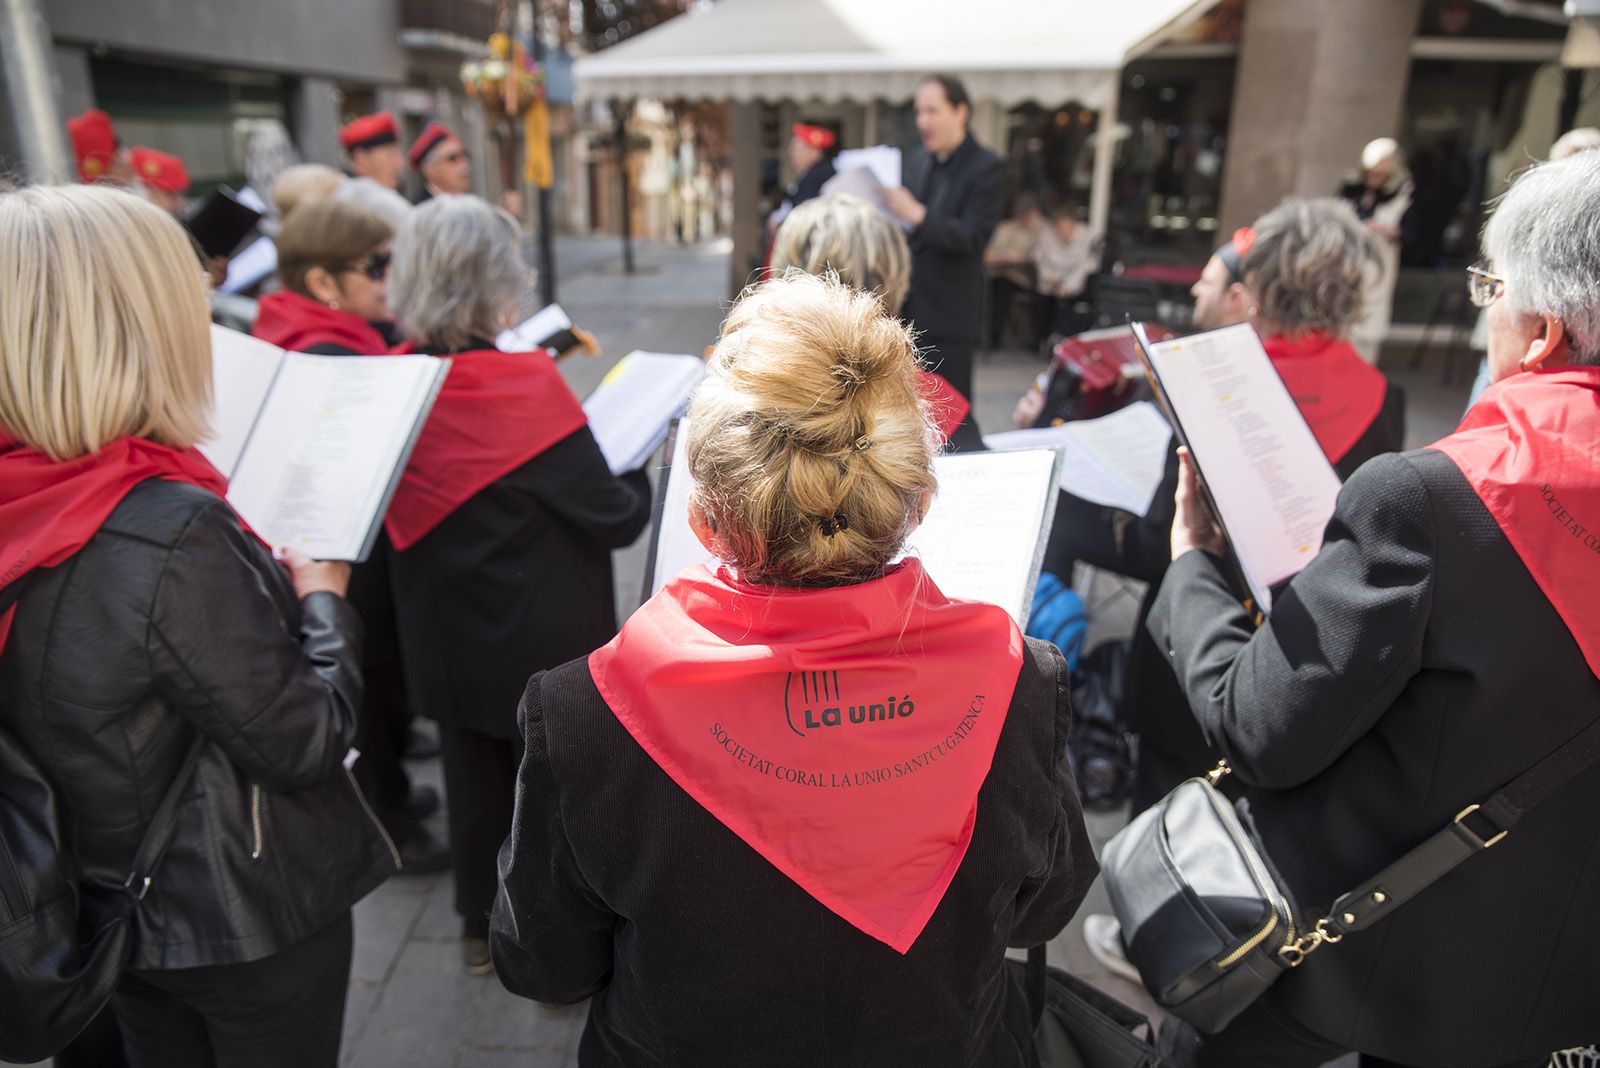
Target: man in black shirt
{"points": [[952, 200]]}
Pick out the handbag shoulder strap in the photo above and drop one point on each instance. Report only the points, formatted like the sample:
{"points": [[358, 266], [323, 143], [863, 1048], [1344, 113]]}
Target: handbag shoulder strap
{"points": [[1474, 829], [163, 824]]}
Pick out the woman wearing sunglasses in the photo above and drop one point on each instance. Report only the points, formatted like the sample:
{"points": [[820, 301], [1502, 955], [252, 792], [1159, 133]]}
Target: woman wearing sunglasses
{"points": [[333, 265]]}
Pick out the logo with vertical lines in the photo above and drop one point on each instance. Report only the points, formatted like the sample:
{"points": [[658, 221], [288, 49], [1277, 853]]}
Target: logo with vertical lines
{"points": [[815, 699]]}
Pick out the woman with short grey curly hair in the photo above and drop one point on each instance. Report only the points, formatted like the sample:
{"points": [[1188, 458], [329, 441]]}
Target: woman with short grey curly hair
{"points": [[503, 526]]}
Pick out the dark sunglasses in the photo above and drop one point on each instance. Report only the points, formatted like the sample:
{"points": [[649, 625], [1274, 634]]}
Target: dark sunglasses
{"points": [[374, 266]]}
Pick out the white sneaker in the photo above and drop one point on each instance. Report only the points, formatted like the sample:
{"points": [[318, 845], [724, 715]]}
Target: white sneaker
{"points": [[1103, 935]]}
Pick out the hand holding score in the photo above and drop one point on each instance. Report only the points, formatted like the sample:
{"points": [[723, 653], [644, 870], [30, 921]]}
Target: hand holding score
{"points": [[309, 576], [1193, 526], [902, 204]]}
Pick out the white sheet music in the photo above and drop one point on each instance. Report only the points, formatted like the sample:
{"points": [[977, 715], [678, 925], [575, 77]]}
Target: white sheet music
{"points": [[981, 540], [313, 445], [884, 161], [253, 263], [1115, 460], [1270, 479], [535, 330], [635, 403]]}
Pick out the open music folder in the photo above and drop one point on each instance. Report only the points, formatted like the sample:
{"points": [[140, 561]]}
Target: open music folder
{"points": [[548, 328], [982, 540], [314, 446], [1269, 483], [634, 404]]}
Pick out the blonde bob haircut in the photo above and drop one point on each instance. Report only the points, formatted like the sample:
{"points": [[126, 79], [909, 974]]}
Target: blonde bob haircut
{"points": [[846, 235], [809, 440], [104, 322]]}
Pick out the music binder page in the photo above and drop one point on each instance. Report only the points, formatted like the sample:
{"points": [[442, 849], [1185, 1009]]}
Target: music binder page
{"points": [[322, 444], [1269, 478], [635, 403]]}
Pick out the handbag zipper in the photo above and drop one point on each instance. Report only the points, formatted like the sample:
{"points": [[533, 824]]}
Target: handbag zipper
{"points": [[255, 822], [1269, 887]]}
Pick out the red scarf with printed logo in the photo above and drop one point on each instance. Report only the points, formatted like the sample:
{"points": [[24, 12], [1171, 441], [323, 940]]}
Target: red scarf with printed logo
{"points": [[496, 411], [1530, 448], [1338, 392], [842, 733], [49, 509]]}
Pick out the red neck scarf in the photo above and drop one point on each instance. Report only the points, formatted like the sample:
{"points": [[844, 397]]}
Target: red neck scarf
{"points": [[49, 509], [1530, 448], [842, 733], [291, 321], [497, 411], [1338, 392], [947, 406]]}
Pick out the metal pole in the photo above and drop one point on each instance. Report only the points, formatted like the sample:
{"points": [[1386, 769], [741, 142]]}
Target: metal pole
{"points": [[31, 93], [547, 251], [622, 109]]}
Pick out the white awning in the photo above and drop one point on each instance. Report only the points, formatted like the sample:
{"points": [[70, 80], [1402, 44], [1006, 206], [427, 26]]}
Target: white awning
{"points": [[1007, 51]]}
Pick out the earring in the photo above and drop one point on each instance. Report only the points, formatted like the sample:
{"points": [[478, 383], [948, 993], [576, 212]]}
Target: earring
{"points": [[1522, 364], [1253, 312], [333, 304]]}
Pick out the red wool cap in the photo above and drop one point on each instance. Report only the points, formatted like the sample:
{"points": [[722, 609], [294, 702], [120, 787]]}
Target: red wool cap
{"points": [[94, 142], [159, 170], [815, 136], [370, 131], [432, 136]]}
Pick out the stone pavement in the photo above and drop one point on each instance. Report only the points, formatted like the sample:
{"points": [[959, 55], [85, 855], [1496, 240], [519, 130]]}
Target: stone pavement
{"points": [[411, 1004]]}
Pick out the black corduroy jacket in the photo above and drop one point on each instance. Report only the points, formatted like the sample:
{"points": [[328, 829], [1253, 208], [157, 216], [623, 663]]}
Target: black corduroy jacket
{"points": [[616, 885]]}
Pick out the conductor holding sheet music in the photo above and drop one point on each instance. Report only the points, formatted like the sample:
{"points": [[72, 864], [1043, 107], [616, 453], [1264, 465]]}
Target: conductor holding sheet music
{"points": [[1444, 641], [952, 201]]}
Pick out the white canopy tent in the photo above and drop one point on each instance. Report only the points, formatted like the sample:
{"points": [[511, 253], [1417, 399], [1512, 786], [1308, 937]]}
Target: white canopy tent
{"points": [[1006, 51]]}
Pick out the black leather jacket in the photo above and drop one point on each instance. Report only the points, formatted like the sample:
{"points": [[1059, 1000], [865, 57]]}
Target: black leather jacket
{"points": [[173, 619]]}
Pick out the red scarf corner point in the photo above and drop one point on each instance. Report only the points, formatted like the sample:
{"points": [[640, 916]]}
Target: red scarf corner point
{"points": [[839, 698], [1338, 392]]}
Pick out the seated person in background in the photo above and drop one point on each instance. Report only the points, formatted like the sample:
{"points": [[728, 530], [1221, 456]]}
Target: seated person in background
{"points": [[1444, 641], [503, 525], [151, 627], [1063, 258], [333, 263], [723, 837], [848, 236], [1009, 260]]}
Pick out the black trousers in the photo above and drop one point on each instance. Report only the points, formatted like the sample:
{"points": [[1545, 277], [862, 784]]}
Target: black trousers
{"points": [[480, 783], [1001, 290], [1264, 1036], [286, 1009]]}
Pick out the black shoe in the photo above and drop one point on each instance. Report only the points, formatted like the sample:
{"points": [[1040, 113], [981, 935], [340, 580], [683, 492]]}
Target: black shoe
{"points": [[421, 745], [423, 854], [421, 802]]}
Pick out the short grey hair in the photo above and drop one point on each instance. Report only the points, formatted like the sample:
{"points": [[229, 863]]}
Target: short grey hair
{"points": [[1309, 264], [1544, 238], [457, 272], [366, 193]]}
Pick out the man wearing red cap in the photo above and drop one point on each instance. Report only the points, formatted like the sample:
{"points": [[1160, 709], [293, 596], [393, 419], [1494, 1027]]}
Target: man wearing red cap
{"points": [[439, 156], [163, 178], [100, 154], [373, 143], [811, 152]]}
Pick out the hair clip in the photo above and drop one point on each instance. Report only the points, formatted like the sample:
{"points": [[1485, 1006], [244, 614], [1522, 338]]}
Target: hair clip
{"points": [[831, 525], [863, 443]]}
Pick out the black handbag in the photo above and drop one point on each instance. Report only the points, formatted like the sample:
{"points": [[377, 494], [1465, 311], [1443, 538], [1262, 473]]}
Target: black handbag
{"points": [[1207, 921], [55, 977], [1076, 1025]]}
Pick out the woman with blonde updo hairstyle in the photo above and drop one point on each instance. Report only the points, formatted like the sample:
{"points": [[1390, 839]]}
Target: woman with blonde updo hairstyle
{"points": [[797, 809]]}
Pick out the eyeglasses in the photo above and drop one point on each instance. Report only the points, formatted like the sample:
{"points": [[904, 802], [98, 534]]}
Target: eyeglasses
{"points": [[454, 157], [374, 266], [1484, 287]]}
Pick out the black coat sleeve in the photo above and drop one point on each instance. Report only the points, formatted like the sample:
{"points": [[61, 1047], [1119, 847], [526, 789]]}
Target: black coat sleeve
{"points": [[549, 934], [275, 684], [1050, 896], [1345, 636], [966, 232], [572, 480]]}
